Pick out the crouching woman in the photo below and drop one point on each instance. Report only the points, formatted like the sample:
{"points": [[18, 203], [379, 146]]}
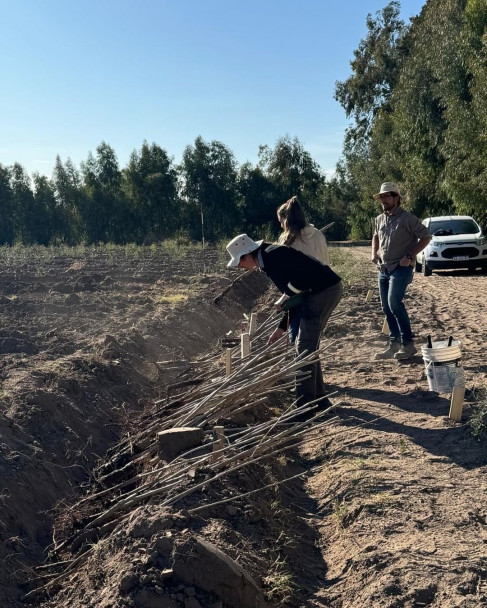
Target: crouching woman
{"points": [[316, 285]]}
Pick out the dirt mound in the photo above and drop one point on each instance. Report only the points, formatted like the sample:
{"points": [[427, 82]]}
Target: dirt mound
{"points": [[76, 368]]}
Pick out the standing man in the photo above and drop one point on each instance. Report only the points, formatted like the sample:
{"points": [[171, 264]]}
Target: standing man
{"points": [[398, 237]]}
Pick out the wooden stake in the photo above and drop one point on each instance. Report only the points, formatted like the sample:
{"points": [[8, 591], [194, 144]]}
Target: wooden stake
{"points": [[369, 295], [252, 323], [385, 327], [228, 361], [245, 345], [218, 440], [456, 403]]}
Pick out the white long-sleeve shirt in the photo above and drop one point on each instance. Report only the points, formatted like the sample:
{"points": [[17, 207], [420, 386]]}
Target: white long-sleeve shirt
{"points": [[312, 241]]}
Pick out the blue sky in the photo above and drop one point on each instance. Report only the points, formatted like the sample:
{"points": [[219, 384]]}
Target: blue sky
{"points": [[166, 71]]}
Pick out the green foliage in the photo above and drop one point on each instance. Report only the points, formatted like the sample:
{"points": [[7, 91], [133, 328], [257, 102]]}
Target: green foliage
{"points": [[30, 214], [105, 212], [208, 174], [376, 66], [258, 201], [291, 171], [178, 247], [6, 208], [279, 583], [428, 132], [465, 142], [150, 184], [338, 198], [70, 201], [366, 96], [206, 198]]}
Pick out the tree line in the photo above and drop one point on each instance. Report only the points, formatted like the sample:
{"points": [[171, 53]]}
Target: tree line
{"points": [[417, 104], [206, 196]]}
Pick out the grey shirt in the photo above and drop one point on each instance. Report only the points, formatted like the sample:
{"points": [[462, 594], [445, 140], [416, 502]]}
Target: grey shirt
{"points": [[398, 234]]}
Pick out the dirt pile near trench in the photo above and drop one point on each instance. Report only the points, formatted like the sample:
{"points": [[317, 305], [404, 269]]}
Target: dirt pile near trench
{"points": [[79, 352], [195, 512]]}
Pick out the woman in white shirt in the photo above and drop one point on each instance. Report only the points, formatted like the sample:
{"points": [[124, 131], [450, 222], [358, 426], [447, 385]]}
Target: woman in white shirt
{"points": [[299, 234]]}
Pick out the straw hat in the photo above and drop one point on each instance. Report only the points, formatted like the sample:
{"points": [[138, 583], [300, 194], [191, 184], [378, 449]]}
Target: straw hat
{"points": [[388, 187]]}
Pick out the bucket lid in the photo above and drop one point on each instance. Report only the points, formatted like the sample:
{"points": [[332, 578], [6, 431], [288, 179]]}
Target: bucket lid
{"points": [[441, 352]]}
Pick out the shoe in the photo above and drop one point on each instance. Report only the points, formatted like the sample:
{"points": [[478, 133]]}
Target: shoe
{"points": [[389, 353], [406, 351], [322, 405]]}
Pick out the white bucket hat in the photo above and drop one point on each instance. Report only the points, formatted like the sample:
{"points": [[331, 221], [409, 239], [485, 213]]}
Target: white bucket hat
{"points": [[388, 187], [239, 246]]}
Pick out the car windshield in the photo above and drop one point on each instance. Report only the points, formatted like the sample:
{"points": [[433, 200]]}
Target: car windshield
{"points": [[447, 227]]}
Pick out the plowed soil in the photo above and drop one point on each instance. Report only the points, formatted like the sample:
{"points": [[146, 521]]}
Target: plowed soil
{"points": [[391, 512]]}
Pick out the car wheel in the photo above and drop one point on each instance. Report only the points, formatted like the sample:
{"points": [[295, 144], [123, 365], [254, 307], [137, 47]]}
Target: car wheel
{"points": [[417, 266], [426, 270]]}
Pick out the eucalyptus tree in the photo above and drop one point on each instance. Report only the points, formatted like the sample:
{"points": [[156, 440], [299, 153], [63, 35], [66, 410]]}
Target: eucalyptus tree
{"points": [[439, 118], [366, 97], [6, 208], [338, 196], [28, 217], [70, 199], [105, 213], [292, 171], [375, 69], [464, 77], [51, 231], [150, 183], [258, 202], [208, 189], [418, 123]]}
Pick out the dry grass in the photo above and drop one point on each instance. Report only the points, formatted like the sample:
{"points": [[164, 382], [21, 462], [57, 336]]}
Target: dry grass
{"points": [[347, 265]]}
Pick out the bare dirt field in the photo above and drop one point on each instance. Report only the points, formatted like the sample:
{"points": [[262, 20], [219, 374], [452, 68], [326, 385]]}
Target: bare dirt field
{"points": [[384, 503]]}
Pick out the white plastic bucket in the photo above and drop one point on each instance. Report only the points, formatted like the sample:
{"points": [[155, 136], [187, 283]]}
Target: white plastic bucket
{"points": [[443, 365]]}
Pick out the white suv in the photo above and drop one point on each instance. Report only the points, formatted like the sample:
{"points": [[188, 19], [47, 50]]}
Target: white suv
{"points": [[458, 242]]}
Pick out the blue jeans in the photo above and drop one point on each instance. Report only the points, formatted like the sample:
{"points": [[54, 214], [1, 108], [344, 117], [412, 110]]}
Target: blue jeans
{"points": [[392, 288]]}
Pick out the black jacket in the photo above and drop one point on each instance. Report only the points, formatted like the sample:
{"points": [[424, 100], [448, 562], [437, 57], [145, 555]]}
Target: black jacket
{"points": [[293, 271]]}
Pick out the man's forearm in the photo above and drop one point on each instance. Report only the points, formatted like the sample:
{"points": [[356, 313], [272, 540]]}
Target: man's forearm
{"points": [[420, 245]]}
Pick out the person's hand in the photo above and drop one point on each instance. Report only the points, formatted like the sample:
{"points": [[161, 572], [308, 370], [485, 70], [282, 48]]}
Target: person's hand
{"points": [[276, 334], [405, 261], [278, 303], [374, 259]]}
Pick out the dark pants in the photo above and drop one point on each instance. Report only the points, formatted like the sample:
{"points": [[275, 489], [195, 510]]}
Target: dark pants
{"points": [[294, 324], [392, 288], [315, 313]]}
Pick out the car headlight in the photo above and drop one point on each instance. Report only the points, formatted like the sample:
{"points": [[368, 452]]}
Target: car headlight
{"points": [[481, 241], [436, 244]]}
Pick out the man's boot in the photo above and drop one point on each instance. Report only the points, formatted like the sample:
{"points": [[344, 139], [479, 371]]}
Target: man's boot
{"points": [[406, 351], [389, 353]]}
